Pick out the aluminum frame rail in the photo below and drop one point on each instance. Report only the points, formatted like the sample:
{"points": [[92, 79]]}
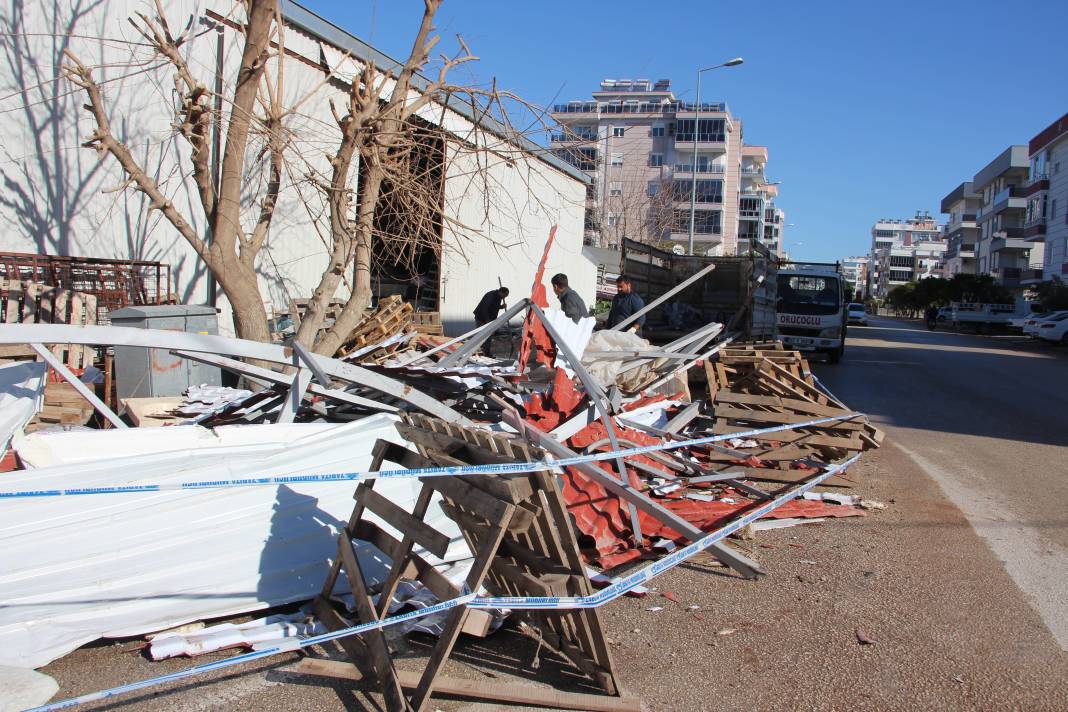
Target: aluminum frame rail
{"points": [[224, 346]]}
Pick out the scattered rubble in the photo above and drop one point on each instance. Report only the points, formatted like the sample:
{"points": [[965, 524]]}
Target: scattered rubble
{"points": [[589, 449]]}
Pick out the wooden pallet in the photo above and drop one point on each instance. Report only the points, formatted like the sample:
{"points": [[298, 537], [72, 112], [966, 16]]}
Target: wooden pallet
{"points": [[35, 303], [393, 316], [524, 545], [759, 386]]}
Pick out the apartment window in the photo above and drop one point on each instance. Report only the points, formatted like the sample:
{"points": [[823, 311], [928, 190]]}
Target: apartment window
{"points": [[613, 220], [705, 222], [1056, 168], [884, 233], [658, 131], [585, 159], [1053, 209], [709, 130], [617, 131], [617, 159], [615, 188], [900, 261], [653, 189], [656, 160], [708, 191]]}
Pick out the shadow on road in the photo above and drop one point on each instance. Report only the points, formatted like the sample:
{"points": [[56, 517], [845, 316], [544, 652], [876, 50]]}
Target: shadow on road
{"points": [[902, 375]]}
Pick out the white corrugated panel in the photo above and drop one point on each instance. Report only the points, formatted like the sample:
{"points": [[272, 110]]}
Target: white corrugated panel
{"points": [[73, 569]]}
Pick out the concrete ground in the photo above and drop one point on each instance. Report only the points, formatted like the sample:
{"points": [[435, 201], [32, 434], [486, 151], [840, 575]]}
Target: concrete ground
{"points": [[954, 585]]}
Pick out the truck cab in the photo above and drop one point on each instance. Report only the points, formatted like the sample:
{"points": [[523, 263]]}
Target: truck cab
{"points": [[810, 311]]}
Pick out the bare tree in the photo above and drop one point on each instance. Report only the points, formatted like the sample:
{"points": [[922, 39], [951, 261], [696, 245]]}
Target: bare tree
{"points": [[389, 131]]}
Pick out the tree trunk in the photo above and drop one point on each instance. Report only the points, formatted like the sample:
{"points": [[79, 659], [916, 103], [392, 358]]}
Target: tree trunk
{"points": [[241, 287]]}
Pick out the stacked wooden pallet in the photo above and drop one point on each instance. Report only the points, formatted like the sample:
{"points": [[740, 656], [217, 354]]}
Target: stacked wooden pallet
{"points": [[23, 302], [427, 323], [393, 316], [62, 406], [762, 385]]}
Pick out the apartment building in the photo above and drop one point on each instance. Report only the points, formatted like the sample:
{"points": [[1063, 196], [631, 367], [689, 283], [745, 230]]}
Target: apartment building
{"points": [[1046, 193], [1002, 249], [901, 264], [961, 231], [650, 154], [890, 233], [855, 271]]}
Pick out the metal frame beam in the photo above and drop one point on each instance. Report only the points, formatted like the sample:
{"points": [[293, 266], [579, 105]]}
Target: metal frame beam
{"points": [[84, 390], [666, 295], [477, 336], [269, 377], [206, 343]]}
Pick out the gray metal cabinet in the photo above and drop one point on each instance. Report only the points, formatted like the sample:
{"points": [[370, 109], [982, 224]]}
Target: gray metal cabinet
{"points": [[150, 373]]}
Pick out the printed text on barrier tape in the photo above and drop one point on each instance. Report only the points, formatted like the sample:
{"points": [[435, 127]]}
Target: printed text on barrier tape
{"points": [[505, 468], [605, 595]]}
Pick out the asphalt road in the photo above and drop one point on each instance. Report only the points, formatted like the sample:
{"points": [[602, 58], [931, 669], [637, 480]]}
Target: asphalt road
{"points": [[985, 418]]}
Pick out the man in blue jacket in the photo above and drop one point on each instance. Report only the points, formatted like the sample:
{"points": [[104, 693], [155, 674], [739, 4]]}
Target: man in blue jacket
{"points": [[624, 304]]}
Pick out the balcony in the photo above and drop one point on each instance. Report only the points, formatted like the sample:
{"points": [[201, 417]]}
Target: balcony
{"points": [[1035, 230], [708, 142], [1007, 276], [1031, 275], [568, 137], [1009, 244], [637, 107], [963, 251], [1037, 184], [1007, 199], [701, 168], [752, 170], [576, 107]]}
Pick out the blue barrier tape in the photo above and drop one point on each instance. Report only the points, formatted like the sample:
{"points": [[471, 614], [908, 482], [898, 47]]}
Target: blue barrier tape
{"points": [[505, 468], [618, 588]]}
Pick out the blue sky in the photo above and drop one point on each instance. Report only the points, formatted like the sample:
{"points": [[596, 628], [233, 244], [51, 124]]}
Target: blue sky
{"points": [[868, 109]]}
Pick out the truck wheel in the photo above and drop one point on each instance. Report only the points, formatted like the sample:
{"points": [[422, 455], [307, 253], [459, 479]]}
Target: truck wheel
{"points": [[836, 355]]}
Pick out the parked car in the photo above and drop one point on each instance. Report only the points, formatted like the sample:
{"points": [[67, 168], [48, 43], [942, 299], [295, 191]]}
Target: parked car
{"points": [[1031, 325], [857, 314], [1054, 329]]}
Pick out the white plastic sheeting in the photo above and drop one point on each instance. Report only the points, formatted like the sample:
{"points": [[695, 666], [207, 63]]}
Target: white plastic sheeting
{"points": [[608, 371], [76, 569], [21, 396]]}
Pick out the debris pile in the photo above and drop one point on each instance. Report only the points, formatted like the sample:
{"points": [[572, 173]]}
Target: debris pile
{"points": [[480, 484]]}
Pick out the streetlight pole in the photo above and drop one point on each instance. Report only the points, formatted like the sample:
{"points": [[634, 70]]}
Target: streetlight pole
{"points": [[696, 128]]}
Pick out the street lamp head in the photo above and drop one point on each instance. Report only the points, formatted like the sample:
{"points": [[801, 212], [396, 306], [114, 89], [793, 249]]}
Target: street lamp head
{"points": [[733, 62]]}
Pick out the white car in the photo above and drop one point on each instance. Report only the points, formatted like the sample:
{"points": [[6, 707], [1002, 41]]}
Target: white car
{"points": [[856, 314], [1054, 329], [1031, 325]]}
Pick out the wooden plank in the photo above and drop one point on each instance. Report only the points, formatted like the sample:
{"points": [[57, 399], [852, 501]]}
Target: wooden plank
{"points": [[422, 533], [423, 571], [457, 490], [782, 418], [480, 689], [374, 639], [451, 630]]}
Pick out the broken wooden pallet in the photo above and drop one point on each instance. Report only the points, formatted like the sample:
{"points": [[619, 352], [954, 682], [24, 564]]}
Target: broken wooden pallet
{"points": [[520, 533]]}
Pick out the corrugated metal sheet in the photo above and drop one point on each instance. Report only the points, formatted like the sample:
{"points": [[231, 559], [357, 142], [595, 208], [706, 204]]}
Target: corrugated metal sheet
{"points": [[75, 569]]}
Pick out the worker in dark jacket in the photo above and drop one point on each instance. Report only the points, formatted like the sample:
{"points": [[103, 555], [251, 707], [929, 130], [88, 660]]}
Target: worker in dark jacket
{"points": [[570, 302], [490, 307], [624, 304], [487, 310]]}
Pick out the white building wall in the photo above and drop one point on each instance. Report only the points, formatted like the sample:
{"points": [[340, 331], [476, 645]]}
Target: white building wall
{"points": [[508, 247], [54, 200]]}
